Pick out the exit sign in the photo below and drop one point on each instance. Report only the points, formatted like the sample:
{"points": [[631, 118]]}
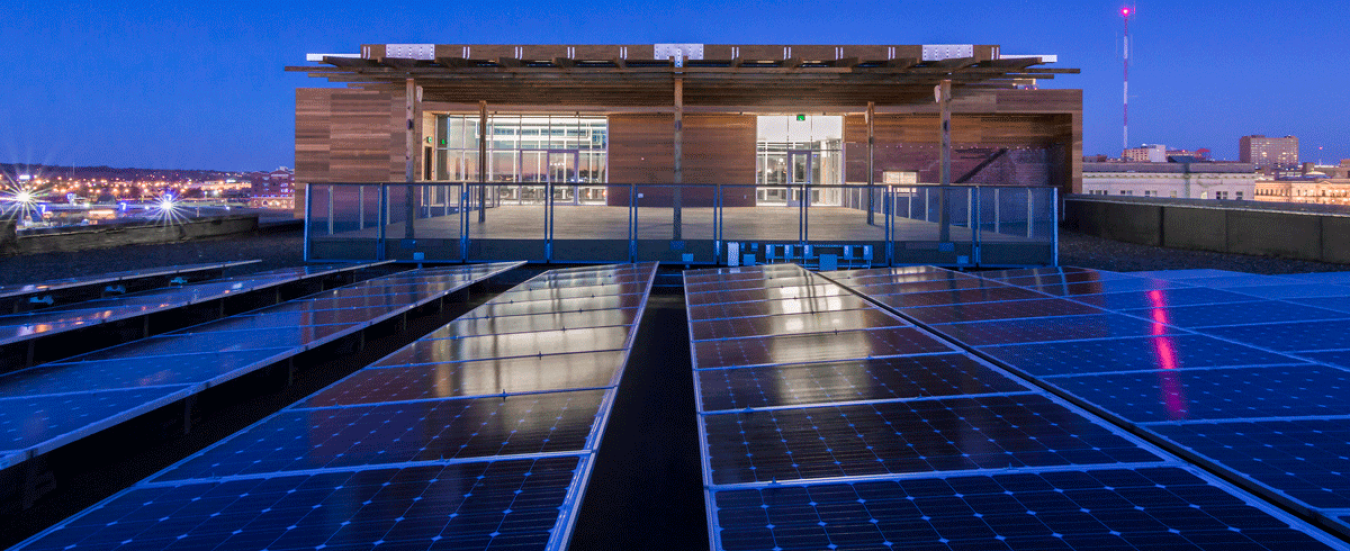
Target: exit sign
{"points": [[801, 117]]}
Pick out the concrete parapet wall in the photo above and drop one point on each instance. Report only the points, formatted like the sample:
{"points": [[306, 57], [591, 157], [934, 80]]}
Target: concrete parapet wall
{"points": [[1219, 226], [82, 238]]}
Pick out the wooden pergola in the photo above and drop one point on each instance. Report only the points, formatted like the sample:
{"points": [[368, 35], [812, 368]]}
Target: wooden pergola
{"points": [[727, 79]]}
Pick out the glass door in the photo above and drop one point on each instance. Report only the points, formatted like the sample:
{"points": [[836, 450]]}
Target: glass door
{"points": [[564, 175], [803, 166]]}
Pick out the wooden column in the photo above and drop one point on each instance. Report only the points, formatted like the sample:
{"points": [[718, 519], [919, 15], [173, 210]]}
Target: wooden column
{"points": [[677, 198], [410, 110], [871, 162], [944, 99], [482, 160]]}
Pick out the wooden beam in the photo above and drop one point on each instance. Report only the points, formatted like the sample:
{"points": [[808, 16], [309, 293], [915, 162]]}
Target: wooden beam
{"points": [[677, 198], [410, 145]]}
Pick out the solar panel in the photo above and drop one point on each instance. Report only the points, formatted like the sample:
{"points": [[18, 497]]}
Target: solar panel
{"points": [[889, 288], [1051, 329], [1295, 290], [1264, 416], [986, 311], [922, 436], [1159, 298], [776, 307], [1305, 459], [1290, 337], [149, 371], [158, 371], [1103, 287], [1186, 395], [821, 322], [486, 505], [1149, 354], [772, 293], [810, 434], [818, 347], [299, 439], [58, 319], [534, 307], [1152, 508], [492, 377], [505, 444], [849, 381], [573, 292], [1236, 313], [962, 296], [9, 293], [38, 424], [537, 323], [592, 339]]}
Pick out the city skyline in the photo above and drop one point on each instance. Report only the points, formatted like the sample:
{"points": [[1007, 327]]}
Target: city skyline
{"points": [[186, 87]]}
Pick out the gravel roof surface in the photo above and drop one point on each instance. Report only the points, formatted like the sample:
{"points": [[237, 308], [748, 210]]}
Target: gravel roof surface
{"points": [[1076, 249], [281, 249]]}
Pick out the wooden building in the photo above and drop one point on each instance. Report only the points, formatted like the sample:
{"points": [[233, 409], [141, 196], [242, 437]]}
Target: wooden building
{"points": [[686, 113]]}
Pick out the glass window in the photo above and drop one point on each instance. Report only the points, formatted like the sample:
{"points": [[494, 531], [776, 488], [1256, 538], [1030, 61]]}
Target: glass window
{"points": [[516, 144]]}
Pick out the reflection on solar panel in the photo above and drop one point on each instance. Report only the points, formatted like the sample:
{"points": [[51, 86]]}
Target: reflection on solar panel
{"points": [[457, 441], [144, 375], [16, 298], [1213, 365], [810, 441], [31, 337]]}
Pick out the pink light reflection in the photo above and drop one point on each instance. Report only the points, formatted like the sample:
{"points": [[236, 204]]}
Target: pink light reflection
{"points": [[1169, 382]]}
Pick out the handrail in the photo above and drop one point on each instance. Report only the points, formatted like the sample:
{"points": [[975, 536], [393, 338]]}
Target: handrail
{"points": [[449, 215]]}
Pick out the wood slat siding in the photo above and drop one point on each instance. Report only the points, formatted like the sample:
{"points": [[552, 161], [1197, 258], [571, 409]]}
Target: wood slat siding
{"points": [[358, 135], [717, 149], [346, 135]]}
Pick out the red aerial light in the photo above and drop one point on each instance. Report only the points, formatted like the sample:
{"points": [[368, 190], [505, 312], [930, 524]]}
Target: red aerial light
{"points": [[1125, 12]]}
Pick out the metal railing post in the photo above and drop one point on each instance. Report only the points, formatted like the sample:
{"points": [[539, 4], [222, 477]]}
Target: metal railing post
{"points": [[462, 203], [309, 217], [977, 228], [998, 208], [331, 190], [1054, 224], [1030, 210], [632, 223], [380, 247]]}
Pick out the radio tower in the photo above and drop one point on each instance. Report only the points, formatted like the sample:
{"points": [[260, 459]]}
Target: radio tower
{"points": [[1125, 14]]}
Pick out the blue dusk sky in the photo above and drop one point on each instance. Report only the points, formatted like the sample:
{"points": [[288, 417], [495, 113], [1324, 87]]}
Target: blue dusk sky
{"points": [[201, 85]]}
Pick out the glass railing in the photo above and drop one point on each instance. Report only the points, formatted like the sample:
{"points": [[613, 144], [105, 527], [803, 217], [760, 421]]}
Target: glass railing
{"points": [[839, 226]]}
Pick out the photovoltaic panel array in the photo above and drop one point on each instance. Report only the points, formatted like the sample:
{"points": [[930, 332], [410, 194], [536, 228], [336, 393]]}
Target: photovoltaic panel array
{"points": [[48, 406], [440, 445], [34, 325], [18, 298], [1235, 371], [828, 427]]}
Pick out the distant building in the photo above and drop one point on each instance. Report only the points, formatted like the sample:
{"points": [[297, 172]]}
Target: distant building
{"points": [[277, 183], [1155, 153], [1235, 181], [1269, 153], [1322, 191]]}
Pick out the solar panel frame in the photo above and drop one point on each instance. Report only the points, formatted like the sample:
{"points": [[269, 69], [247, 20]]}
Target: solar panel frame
{"points": [[562, 526], [15, 291], [928, 368], [181, 392], [87, 313], [136, 497], [711, 489]]}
